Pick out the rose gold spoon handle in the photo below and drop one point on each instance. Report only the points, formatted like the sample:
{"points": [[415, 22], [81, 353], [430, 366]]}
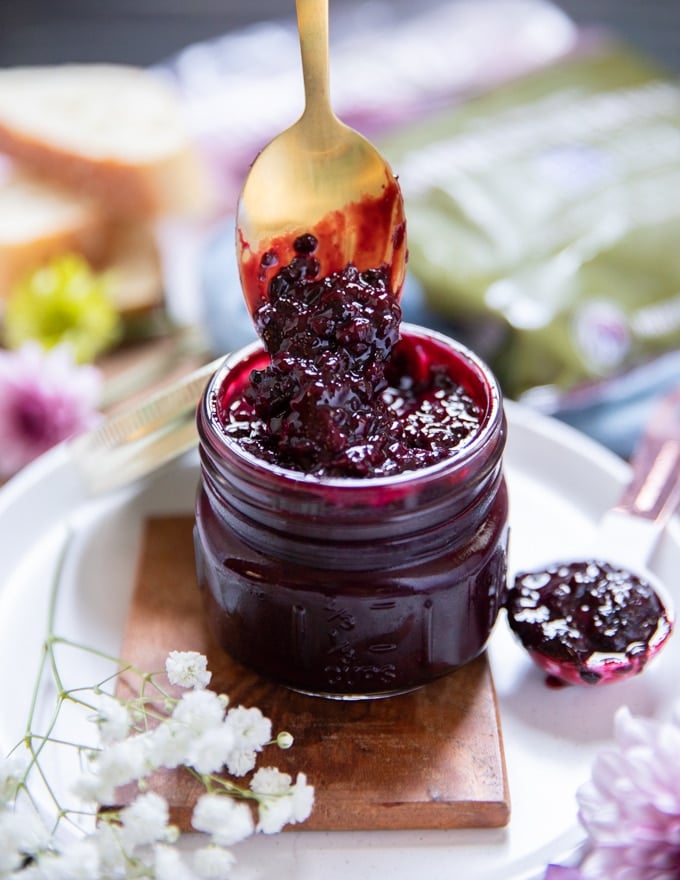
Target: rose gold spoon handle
{"points": [[653, 493], [318, 118]]}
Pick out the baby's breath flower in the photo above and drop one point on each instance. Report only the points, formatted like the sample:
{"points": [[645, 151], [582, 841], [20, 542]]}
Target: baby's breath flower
{"points": [[209, 752], [120, 763], [199, 710], [171, 741], [281, 804], [172, 834], [30, 834], [252, 731], [269, 780], [274, 813], [11, 856], [213, 862], [145, 820], [188, 669], [285, 740], [135, 841], [112, 719], [88, 787], [168, 864], [78, 861], [109, 842], [240, 762], [303, 798], [225, 820]]}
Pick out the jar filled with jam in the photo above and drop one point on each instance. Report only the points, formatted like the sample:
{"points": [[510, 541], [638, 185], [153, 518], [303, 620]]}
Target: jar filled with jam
{"points": [[348, 549]]}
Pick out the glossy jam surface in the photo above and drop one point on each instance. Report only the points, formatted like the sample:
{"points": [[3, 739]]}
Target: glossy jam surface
{"points": [[336, 400], [587, 622]]}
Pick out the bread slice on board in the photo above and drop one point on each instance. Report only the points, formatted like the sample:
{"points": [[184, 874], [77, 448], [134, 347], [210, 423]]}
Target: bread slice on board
{"points": [[134, 268], [111, 132], [39, 221]]}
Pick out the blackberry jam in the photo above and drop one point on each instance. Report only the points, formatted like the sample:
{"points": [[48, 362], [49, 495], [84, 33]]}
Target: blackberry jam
{"points": [[335, 398], [346, 580], [588, 622]]}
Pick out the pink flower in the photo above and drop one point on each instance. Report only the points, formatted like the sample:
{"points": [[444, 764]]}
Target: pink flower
{"points": [[44, 398], [559, 872], [631, 806]]}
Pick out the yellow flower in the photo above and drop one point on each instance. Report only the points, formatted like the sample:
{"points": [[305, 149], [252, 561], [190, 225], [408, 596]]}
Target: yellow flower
{"points": [[63, 302]]}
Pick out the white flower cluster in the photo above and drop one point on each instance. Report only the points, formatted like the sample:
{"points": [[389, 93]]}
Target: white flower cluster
{"points": [[199, 732]]}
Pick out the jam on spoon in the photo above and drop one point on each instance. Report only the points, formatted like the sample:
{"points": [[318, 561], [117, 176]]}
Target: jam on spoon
{"points": [[593, 622], [339, 397], [588, 622]]}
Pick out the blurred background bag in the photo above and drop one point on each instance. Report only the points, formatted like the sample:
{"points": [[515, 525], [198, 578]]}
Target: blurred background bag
{"points": [[543, 222]]}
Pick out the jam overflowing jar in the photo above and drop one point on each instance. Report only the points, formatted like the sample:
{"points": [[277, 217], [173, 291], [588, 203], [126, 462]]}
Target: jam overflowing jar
{"points": [[354, 587]]}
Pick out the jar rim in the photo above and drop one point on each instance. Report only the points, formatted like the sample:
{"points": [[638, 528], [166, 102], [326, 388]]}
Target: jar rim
{"points": [[460, 456]]}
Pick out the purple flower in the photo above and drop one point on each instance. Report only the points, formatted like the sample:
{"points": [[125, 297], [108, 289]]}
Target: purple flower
{"points": [[44, 398], [631, 806], [559, 872]]}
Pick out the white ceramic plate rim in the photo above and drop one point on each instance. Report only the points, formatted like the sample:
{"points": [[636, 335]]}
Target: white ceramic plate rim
{"points": [[548, 464]]}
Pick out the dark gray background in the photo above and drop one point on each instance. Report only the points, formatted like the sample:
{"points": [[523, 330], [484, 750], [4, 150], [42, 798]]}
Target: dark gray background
{"points": [[148, 31]]}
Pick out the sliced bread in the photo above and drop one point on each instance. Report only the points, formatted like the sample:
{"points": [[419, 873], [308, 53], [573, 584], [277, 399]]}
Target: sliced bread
{"points": [[112, 132], [134, 268], [39, 221]]}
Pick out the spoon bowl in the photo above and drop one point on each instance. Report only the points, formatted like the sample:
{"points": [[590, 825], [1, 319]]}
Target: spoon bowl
{"points": [[318, 178], [590, 621], [601, 619]]}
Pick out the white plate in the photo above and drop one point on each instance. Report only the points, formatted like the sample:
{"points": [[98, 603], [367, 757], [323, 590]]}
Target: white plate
{"points": [[560, 483]]}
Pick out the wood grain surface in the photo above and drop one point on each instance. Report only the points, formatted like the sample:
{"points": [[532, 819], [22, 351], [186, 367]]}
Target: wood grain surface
{"points": [[429, 759]]}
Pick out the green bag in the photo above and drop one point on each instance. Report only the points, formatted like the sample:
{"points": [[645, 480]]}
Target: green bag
{"points": [[548, 214]]}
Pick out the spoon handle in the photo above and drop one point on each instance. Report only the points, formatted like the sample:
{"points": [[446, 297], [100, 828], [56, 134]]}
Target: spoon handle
{"points": [[630, 531], [312, 18], [654, 490]]}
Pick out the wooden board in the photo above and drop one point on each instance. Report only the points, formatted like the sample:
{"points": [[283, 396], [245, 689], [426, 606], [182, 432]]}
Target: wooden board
{"points": [[429, 759]]}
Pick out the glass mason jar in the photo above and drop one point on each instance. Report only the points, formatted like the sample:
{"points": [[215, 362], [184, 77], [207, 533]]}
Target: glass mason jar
{"points": [[353, 587]]}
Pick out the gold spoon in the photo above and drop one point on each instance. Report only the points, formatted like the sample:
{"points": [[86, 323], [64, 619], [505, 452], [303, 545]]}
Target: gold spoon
{"points": [[318, 177]]}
